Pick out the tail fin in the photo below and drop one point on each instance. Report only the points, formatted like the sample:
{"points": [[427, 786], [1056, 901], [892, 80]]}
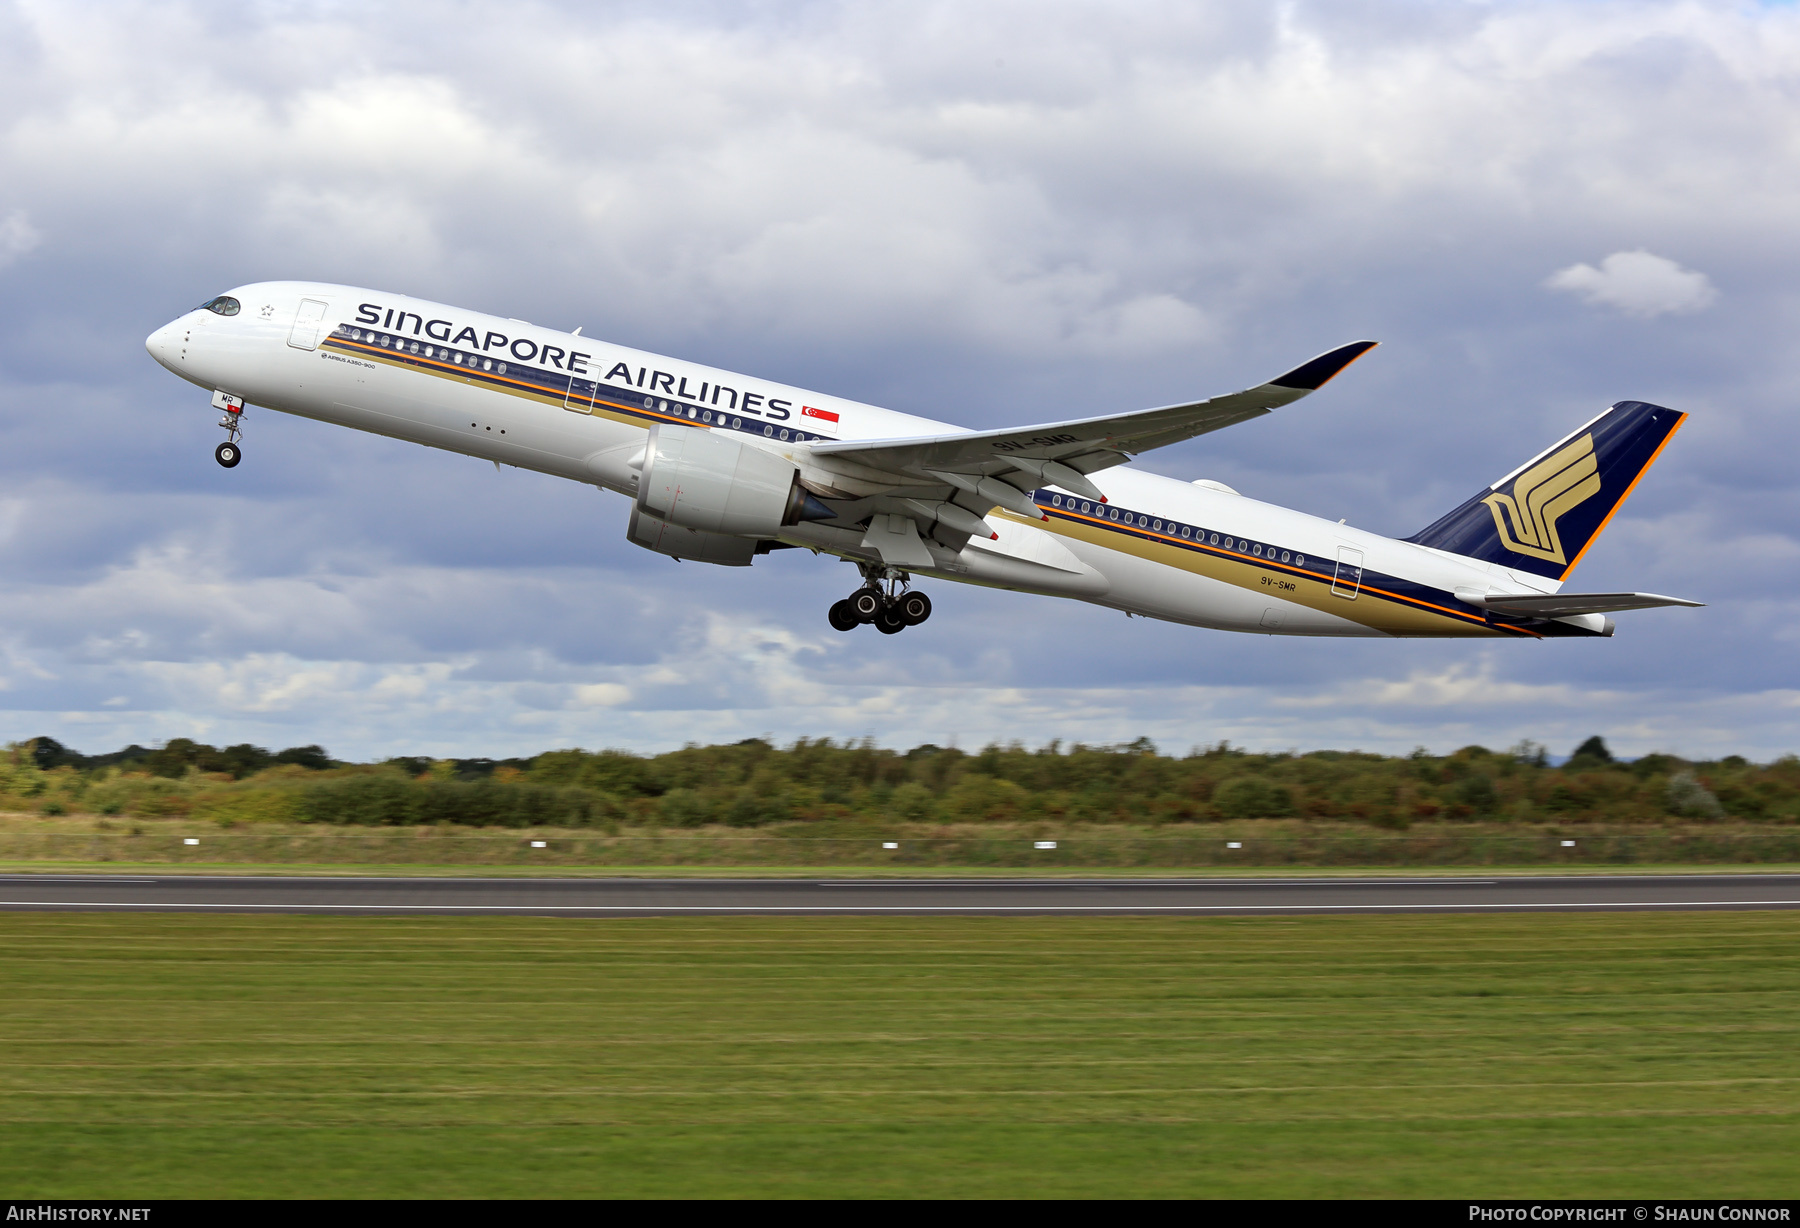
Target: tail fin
{"points": [[1543, 515]]}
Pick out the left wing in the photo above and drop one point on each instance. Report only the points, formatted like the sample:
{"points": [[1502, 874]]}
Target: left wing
{"points": [[1056, 452], [942, 486]]}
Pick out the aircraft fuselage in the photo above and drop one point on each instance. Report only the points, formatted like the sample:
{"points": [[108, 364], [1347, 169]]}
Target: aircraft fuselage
{"points": [[580, 408]]}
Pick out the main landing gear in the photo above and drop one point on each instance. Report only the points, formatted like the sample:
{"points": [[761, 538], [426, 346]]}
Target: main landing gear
{"points": [[883, 600], [230, 452]]}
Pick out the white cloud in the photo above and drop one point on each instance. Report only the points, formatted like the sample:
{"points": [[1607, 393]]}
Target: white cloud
{"points": [[1637, 283], [17, 237], [599, 695]]}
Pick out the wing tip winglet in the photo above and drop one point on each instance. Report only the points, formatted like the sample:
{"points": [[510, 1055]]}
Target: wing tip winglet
{"points": [[1314, 375]]}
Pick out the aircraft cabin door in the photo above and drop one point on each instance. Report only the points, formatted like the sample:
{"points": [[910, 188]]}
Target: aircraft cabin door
{"points": [[305, 333], [580, 397], [1346, 580]]}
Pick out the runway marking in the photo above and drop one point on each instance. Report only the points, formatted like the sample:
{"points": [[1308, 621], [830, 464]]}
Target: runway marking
{"points": [[919, 908]]}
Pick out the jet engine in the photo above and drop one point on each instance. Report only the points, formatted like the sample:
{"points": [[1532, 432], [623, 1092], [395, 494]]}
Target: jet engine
{"points": [[704, 495], [708, 481]]}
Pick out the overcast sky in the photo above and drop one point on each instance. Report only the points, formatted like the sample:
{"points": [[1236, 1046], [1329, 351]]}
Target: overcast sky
{"points": [[989, 213]]}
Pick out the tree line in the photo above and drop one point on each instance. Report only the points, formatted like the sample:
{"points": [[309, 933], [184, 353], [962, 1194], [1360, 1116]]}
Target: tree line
{"points": [[754, 783]]}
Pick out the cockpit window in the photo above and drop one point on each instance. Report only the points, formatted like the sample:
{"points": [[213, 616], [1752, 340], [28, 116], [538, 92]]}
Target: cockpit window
{"points": [[224, 305]]}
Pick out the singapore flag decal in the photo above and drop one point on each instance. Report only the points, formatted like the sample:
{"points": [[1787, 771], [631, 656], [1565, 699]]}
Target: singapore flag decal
{"points": [[824, 415]]}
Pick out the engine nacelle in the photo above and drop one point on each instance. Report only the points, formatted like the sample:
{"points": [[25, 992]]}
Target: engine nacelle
{"points": [[709, 482], [659, 535]]}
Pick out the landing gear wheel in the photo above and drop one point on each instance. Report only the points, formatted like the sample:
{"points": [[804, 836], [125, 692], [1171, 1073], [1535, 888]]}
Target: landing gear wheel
{"points": [[867, 604], [842, 617], [915, 608], [228, 455], [890, 622]]}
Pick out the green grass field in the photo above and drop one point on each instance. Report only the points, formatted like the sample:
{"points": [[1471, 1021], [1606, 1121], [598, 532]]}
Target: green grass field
{"points": [[1645, 1055]]}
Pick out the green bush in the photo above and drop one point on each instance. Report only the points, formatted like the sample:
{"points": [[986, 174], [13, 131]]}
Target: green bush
{"points": [[685, 808], [750, 808], [1253, 797], [1477, 792], [913, 803], [388, 799], [250, 805], [989, 798], [157, 797], [377, 799]]}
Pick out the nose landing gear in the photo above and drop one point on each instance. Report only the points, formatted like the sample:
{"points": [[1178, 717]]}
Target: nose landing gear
{"points": [[230, 452], [883, 600]]}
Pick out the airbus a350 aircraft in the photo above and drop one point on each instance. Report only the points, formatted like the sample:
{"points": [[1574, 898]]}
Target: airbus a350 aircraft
{"points": [[722, 467]]}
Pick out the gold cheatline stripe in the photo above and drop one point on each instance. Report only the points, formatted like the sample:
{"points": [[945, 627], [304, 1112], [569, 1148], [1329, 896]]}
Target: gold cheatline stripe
{"points": [[1221, 552], [448, 368]]}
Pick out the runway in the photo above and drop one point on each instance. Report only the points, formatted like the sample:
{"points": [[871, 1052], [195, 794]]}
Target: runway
{"points": [[652, 897]]}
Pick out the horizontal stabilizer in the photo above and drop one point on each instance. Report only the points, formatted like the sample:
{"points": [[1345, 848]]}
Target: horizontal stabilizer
{"points": [[1562, 605]]}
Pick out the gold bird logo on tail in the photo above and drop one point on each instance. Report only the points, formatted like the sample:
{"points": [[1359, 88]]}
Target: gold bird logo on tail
{"points": [[1542, 495]]}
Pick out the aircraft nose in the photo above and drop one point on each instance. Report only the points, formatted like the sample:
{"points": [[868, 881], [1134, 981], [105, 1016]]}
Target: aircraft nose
{"points": [[163, 344]]}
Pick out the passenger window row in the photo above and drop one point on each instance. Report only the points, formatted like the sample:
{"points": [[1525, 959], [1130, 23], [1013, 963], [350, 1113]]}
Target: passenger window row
{"points": [[403, 345], [715, 417], [1171, 528]]}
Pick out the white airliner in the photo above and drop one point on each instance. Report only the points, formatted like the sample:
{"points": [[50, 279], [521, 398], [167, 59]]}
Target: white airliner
{"points": [[722, 467]]}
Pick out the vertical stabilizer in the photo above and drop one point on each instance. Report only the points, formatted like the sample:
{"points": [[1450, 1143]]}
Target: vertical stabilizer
{"points": [[1542, 516]]}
